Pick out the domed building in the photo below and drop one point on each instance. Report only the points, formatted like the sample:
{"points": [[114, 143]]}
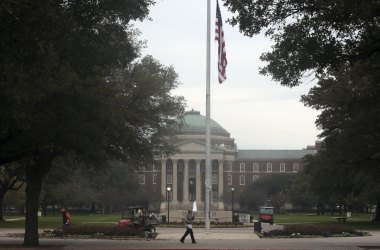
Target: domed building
{"points": [[181, 177]]}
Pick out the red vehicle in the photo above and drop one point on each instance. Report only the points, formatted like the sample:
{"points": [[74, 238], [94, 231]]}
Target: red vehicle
{"points": [[266, 214], [136, 217]]}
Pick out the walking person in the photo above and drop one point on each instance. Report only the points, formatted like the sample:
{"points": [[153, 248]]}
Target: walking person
{"points": [[189, 227]]}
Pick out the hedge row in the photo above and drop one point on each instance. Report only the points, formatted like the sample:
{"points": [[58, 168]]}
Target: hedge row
{"points": [[302, 230], [99, 229]]}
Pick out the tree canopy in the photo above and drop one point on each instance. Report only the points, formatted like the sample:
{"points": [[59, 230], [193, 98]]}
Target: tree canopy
{"points": [[72, 83], [338, 43], [108, 189], [269, 190], [55, 56], [310, 36]]}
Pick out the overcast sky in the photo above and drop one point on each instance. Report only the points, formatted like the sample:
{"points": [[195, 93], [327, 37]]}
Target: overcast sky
{"points": [[258, 112]]}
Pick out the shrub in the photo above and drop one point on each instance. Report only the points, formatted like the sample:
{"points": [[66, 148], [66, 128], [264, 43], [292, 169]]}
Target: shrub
{"points": [[101, 230], [235, 219], [298, 231], [163, 218]]}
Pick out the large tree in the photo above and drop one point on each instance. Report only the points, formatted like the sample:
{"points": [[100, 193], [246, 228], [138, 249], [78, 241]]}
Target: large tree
{"points": [[349, 101], [67, 88], [268, 190], [300, 194], [337, 43], [106, 189], [310, 36]]}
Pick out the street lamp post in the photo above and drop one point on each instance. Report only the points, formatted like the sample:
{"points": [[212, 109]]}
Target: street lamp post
{"points": [[232, 203], [232, 198], [168, 188]]}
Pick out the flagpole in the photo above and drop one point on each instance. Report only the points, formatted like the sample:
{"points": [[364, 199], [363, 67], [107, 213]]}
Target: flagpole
{"points": [[207, 179]]}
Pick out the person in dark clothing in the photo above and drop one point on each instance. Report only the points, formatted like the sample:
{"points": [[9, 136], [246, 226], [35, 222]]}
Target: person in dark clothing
{"points": [[189, 227]]}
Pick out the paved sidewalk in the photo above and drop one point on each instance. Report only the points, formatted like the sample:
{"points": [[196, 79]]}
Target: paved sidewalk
{"points": [[214, 234], [176, 233], [4, 232], [220, 238]]}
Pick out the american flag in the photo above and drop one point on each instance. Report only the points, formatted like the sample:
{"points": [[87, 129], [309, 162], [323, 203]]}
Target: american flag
{"points": [[219, 36]]}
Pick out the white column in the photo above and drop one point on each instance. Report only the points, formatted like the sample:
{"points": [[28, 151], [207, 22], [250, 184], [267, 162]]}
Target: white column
{"points": [[198, 195], [163, 184], [163, 177], [175, 181], [186, 182], [221, 184]]}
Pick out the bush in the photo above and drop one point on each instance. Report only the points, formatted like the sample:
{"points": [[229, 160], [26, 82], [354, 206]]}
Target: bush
{"points": [[163, 219], [235, 219], [298, 231], [251, 218], [100, 230]]}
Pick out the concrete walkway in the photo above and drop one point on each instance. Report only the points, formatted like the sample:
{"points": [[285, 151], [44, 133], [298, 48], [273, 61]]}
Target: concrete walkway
{"points": [[214, 234], [221, 238]]}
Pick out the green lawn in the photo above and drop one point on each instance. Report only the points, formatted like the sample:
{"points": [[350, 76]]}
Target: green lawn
{"points": [[49, 222], [357, 221]]}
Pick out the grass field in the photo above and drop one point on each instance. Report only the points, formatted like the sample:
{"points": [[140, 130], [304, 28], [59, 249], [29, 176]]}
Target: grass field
{"points": [[49, 222], [358, 221]]}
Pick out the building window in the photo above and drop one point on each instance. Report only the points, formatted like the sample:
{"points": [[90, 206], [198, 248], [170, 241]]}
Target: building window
{"points": [[192, 169], [154, 178], [215, 172], [255, 177], [242, 167], [169, 167], [242, 179], [169, 178], [214, 178], [141, 178], [169, 171], [229, 179], [282, 167], [255, 167], [296, 167], [229, 167], [192, 186], [215, 196], [269, 166], [154, 167]]}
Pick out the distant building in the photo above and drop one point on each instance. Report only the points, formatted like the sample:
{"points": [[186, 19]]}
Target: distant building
{"points": [[184, 172]]}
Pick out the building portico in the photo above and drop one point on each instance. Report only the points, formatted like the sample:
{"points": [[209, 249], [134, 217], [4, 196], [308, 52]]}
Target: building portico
{"points": [[186, 178], [232, 170]]}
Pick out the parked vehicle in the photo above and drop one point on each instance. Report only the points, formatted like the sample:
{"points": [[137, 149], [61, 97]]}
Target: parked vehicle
{"points": [[136, 217], [266, 214]]}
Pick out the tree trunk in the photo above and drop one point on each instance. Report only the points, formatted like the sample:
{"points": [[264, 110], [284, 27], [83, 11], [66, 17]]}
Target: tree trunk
{"points": [[331, 209], [3, 191], [1, 208], [93, 209], [44, 209], [33, 189], [34, 177], [319, 208], [377, 212]]}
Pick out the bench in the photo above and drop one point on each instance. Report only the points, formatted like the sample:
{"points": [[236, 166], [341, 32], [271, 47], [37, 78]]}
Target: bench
{"points": [[341, 219]]}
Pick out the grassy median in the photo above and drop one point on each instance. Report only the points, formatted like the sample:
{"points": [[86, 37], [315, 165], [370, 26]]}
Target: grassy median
{"points": [[357, 221]]}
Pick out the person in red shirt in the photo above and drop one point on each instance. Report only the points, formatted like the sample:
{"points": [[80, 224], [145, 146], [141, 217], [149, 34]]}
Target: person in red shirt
{"points": [[66, 217]]}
